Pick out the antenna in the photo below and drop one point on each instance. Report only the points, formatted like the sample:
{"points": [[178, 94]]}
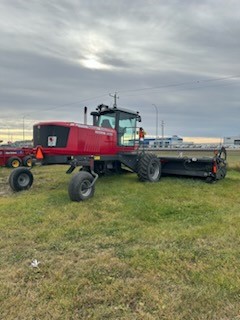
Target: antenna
{"points": [[115, 97]]}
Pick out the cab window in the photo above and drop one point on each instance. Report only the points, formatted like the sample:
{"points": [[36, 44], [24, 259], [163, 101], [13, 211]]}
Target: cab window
{"points": [[126, 129], [107, 120]]}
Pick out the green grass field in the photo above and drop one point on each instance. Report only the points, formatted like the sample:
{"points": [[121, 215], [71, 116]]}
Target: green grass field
{"points": [[168, 250]]}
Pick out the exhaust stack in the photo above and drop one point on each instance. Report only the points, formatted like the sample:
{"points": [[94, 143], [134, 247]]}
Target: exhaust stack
{"points": [[85, 115]]}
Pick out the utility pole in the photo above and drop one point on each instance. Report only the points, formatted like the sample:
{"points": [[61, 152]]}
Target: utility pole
{"points": [[115, 99], [23, 128], [162, 125], [156, 108]]}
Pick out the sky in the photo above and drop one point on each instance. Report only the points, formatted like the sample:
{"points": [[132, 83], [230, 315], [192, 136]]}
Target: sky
{"points": [[174, 61]]}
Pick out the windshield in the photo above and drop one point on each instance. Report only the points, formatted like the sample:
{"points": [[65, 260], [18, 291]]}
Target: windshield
{"points": [[107, 120]]}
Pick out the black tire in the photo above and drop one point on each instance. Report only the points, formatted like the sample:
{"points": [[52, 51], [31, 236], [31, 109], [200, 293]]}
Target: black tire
{"points": [[79, 187], [210, 180], [20, 179], [149, 168], [221, 172], [27, 161], [222, 154], [14, 162]]}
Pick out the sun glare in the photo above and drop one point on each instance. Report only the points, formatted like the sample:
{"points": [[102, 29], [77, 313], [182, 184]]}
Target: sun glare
{"points": [[92, 63]]}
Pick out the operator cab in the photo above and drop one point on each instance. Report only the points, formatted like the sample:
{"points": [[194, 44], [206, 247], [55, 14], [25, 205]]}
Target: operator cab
{"points": [[121, 120]]}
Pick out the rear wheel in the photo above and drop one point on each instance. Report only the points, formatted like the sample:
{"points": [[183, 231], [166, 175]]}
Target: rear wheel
{"points": [[20, 179], [149, 168], [80, 188], [14, 162], [27, 161], [221, 172]]}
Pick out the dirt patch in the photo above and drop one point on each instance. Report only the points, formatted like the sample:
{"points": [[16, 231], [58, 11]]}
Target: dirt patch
{"points": [[4, 192], [4, 187]]}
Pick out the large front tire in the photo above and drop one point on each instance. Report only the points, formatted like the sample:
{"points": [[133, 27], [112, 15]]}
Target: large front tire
{"points": [[20, 179], [149, 168], [80, 188]]}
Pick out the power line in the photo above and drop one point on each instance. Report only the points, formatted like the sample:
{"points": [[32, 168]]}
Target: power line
{"points": [[79, 101], [179, 84], [189, 88], [69, 104]]}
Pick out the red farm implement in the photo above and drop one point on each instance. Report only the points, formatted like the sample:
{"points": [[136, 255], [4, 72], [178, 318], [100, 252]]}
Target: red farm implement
{"points": [[15, 157]]}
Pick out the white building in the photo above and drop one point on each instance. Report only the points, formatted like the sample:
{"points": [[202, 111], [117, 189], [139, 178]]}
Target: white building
{"points": [[166, 142], [231, 141]]}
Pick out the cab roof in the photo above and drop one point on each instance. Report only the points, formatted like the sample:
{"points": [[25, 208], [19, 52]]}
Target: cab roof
{"points": [[102, 109]]}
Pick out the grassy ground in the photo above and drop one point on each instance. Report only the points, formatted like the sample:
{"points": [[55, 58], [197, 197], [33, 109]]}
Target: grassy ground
{"points": [[168, 250]]}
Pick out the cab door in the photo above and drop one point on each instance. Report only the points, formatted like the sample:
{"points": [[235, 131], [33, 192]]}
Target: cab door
{"points": [[126, 129]]}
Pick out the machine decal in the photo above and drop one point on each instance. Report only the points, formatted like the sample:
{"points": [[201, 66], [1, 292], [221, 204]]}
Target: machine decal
{"points": [[104, 133], [52, 141]]}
